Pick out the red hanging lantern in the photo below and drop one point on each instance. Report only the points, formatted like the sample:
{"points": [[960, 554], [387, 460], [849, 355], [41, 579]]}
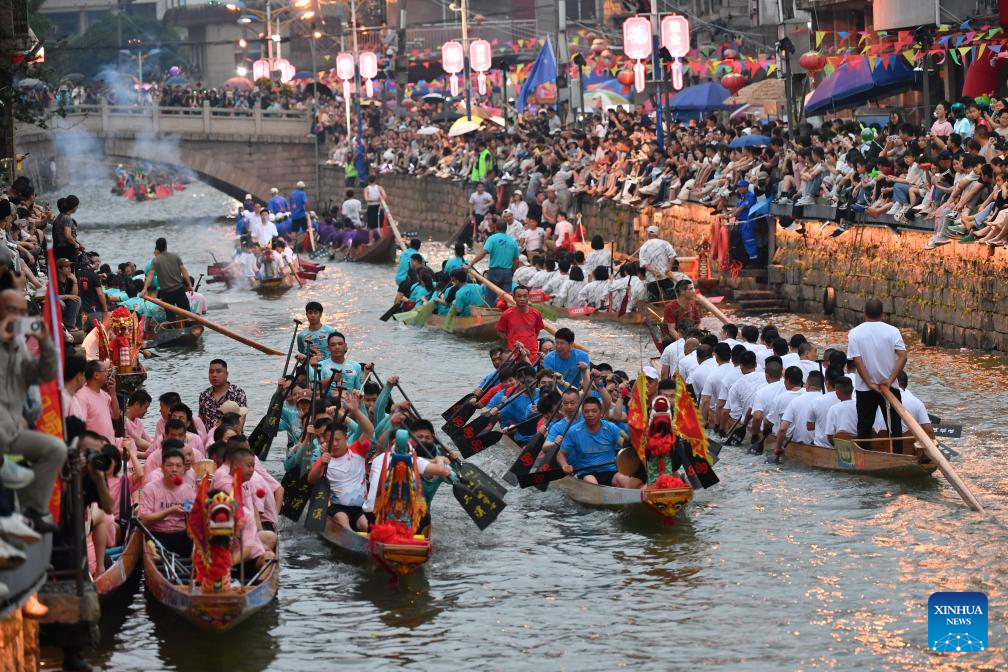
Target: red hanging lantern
{"points": [[480, 59], [625, 77], [367, 61], [345, 71], [812, 61], [733, 81], [675, 37], [453, 62], [637, 45]]}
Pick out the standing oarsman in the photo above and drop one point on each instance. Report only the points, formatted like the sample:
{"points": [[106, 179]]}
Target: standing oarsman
{"points": [[879, 356]]}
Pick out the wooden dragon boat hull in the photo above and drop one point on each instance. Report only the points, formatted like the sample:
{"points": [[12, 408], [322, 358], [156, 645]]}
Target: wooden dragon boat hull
{"points": [[124, 568], [401, 559]]}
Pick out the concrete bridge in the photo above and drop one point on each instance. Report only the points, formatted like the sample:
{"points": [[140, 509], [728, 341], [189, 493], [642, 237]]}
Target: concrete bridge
{"points": [[236, 151]]}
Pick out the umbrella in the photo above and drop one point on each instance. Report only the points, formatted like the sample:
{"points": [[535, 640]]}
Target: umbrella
{"points": [[706, 97], [322, 88], [432, 97], [463, 126], [177, 80], [74, 77], [447, 115], [749, 141], [239, 84], [29, 83], [848, 88], [304, 74], [498, 120], [429, 130]]}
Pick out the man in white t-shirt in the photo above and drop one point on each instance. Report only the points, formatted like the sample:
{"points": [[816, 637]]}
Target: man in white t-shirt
{"points": [[879, 356], [351, 209], [916, 408], [706, 366], [711, 388], [794, 421], [688, 361], [532, 238], [792, 390], [563, 232], [656, 255], [807, 355], [343, 467], [738, 396], [671, 355], [764, 398]]}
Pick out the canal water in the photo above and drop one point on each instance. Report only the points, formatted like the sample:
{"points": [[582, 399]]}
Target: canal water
{"points": [[776, 568]]}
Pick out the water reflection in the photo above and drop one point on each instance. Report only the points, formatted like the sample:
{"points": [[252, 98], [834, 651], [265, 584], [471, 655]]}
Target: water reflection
{"points": [[776, 568]]}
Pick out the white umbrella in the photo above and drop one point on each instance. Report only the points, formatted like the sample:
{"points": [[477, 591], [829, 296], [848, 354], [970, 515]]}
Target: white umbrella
{"points": [[463, 126], [429, 130], [498, 120]]}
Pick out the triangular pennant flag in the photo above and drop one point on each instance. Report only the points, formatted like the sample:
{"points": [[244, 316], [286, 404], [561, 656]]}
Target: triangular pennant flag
{"points": [[995, 31], [910, 55], [885, 61], [829, 69], [945, 40], [696, 67], [955, 56], [843, 34], [964, 50], [770, 69], [819, 35]]}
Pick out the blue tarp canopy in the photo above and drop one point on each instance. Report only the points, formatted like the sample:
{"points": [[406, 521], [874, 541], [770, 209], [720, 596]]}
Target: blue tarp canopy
{"points": [[847, 88], [706, 97]]}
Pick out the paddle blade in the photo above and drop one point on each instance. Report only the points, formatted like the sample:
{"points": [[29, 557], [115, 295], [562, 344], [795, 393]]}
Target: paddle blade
{"points": [[478, 426], [481, 479], [449, 323], [457, 406], [527, 456], [525, 427], [422, 314], [548, 312], [480, 506], [540, 478], [264, 433], [297, 493], [396, 308], [477, 444], [406, 317], [318, 507]]}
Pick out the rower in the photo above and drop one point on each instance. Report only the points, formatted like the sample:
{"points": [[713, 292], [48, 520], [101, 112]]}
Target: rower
{"points": [[256, 494], [916, 408], [792, 357], [656, 259], [741, 392], [566, 359], [722, 359], [456, 262], [163, 505], [879, 355], [521, 324], [343, 466], [795, 419], [467, 294], [768, 335], [589, 449], [842, 418], [723, 386], [775, 411], [351, 372], [808, 359], [136, 408], [688, 361], [820, 407], [706, 364], [681, 314], [764, 396], [404, 260]]}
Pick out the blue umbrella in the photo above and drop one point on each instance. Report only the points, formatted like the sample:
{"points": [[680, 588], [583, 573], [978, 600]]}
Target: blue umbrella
{"points": [[749, 141], [706, 97], [304, 74], [847, 88], [177, 80]]}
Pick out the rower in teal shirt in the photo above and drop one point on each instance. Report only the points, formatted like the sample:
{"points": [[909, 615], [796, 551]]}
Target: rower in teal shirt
{"points": [[404, 260], [467, 294], [503, 252], [456, 262]]}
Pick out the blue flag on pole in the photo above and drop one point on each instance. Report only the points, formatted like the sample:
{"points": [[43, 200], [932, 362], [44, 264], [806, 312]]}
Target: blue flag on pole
{"points": [[544, 72]]}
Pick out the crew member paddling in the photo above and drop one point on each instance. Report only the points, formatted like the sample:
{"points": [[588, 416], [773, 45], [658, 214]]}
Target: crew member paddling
{"points": [[589, 449]]}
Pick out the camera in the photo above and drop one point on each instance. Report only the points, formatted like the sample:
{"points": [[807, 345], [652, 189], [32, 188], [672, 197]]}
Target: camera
{"points": [[26, 326], [101, 460]]}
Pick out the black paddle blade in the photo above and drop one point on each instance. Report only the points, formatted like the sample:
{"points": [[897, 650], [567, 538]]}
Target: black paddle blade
{"points": [[264, 433], [481, 479], [297, 492], [454, 408], [479, 443], [479, 426], [540, 478], [527, 456], [478, 503], [318, 507], [457, 421], [387, 315], [698, 471]]}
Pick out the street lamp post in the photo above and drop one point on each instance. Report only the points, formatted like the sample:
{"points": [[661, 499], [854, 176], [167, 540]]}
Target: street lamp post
{"points": [[357, 86], [465, 58]]}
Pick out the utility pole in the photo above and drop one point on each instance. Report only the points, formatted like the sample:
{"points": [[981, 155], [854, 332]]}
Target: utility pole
{"points": [[784, 49], [361, 174], [465, 58], [563, 56], [656, 65]]}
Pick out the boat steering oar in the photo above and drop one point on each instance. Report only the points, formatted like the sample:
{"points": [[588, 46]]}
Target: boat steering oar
{"points": [[293, 272], [212, 325], [934, 452]]}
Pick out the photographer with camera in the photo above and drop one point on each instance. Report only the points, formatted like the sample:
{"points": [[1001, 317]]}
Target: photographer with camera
{"points": [[45, 452], [100, 460]]}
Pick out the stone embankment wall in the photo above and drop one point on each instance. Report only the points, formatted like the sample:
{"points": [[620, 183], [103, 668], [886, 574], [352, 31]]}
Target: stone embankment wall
{"points": [[959, 291]]}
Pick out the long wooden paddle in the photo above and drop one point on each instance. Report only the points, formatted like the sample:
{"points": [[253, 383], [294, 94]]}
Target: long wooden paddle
{"points": [[511, 302], [714, 310], [393, 225], [318, 505], [933, 452], [212, 325]]}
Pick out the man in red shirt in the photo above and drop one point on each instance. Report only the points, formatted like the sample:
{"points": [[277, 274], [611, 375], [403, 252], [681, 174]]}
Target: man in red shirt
{"points": [[521, 323], [681, 313]]}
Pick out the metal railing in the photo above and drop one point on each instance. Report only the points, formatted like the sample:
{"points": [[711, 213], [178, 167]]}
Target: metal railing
{"points": [[105, 118]]}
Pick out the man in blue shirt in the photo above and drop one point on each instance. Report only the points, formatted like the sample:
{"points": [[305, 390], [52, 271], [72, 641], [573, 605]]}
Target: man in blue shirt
{"points": [[299, 209], [402, 272], [467, 294], [503, 252], [564, 360], [589, 449], [277, 202], [314, 337], [351, 373], [747, 229]]}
